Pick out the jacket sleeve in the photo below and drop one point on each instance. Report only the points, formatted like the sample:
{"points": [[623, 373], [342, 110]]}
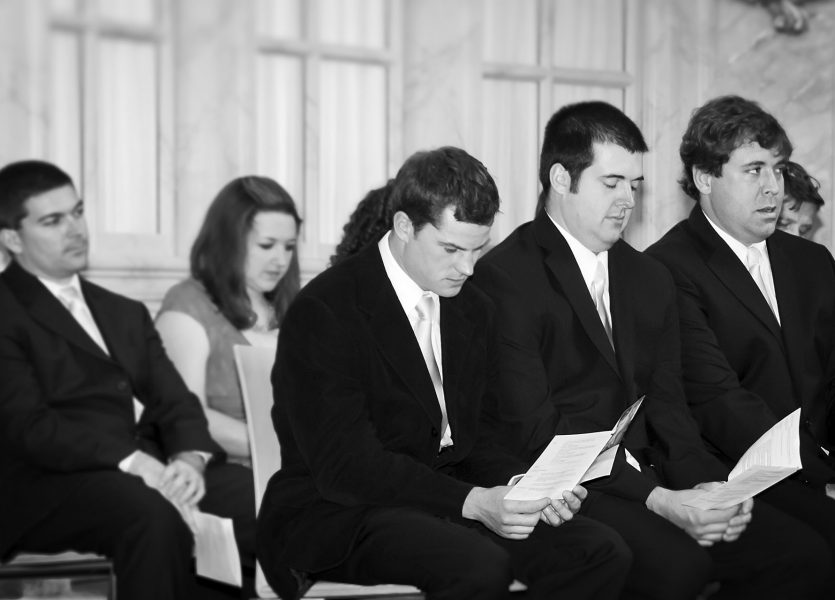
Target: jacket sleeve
{"points": [[174, 415], [322, 401]]}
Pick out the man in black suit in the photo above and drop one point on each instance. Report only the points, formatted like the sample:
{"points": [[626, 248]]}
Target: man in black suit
{"points": [[587, 325], [385, 476], [757, 306], [77, 471]]}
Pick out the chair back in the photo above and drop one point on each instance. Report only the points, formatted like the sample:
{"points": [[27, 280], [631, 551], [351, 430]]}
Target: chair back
{"points": [[254, 365]]}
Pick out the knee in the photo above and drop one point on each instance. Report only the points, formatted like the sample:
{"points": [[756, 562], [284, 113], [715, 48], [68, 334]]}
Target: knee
{"points": [[485, 571], [155, 523], [615, 553], [687, 575]]}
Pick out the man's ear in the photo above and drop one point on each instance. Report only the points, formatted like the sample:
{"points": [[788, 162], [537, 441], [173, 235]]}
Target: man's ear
{"points": [[702, 179], [402, 227], [560, 179], [10, 240]]}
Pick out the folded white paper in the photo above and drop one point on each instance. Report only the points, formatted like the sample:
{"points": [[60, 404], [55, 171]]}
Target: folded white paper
{"points": [[215, 549], [572, 459], [770, 459]]}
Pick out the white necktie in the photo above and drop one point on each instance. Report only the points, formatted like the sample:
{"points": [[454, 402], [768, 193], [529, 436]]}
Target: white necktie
{"points": [[78, 308], [598, 291], [425, 333], [754, 259]]}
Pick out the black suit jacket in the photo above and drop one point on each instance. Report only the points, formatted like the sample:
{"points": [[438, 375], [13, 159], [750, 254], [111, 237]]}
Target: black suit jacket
{"points": [[743, 371], [358, 419], [560, 375], [67, 407]]}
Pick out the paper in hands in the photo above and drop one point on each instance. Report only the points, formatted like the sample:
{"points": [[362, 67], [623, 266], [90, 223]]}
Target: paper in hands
{"points": [[770, 459], [572, 459]]}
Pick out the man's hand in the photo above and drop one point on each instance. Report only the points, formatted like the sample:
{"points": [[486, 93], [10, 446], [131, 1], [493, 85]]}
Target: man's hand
{"points": [[560, 511], [512, 519], [705, 526], [739, 521], [182, 482], [148, 468]]}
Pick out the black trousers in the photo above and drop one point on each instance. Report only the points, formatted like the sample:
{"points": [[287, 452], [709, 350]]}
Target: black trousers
{"points": [[808, 504], [462, 559], [776, 556], [117, 515]]}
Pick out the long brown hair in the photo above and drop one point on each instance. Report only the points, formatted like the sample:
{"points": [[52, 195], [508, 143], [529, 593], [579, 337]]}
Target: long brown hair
{"points": [[218, 255]]}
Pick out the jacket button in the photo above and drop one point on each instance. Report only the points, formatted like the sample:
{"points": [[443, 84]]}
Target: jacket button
{"points": [[122, 386], [434, 432]]}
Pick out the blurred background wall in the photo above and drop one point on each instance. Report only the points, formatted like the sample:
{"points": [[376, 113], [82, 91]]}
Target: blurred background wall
{"points": [[152, 105]]}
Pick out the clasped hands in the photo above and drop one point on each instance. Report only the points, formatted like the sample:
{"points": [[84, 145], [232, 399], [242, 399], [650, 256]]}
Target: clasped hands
{"points": [[180, 482], [516, 519], [705, 526]]}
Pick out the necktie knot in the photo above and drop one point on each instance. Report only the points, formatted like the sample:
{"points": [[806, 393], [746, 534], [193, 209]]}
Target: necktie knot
{"points": [[69, 296], [425, 308], [754, 257]]}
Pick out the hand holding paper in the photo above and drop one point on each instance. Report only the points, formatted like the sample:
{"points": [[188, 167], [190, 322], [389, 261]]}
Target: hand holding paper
{"points": [[772, 458], [572, 459]]}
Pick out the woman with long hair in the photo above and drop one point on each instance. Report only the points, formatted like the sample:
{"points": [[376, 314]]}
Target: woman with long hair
{"points": [[244, 274]]}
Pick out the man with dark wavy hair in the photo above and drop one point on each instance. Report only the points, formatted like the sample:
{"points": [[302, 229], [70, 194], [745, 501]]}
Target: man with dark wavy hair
{"points": [[756, 306], [383, 364], [587, 325]]}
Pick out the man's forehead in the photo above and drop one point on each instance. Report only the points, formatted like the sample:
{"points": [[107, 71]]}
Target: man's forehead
{"points": [[613, 159], [57, 200], [753, 151]]}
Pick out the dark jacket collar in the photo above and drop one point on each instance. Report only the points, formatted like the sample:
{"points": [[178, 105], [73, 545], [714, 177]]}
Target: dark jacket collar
{"points": [[732, 273], [560, 260]]}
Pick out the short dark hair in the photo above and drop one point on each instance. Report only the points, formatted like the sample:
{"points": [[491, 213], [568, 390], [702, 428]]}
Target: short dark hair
{"points": [[570, 136], [22, 180], [370, 220], [218, 255], [430, 181], [721, 126], [800, 186]]}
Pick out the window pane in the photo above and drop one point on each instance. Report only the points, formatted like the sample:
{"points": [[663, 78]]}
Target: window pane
{"points": [[280, 18], [280, 118], [353, 22], [64, 7], [352, 147], [511, 31], [567, 93], [127, 133], [510, 149], [64, 142], [589, 34], [134, 12]]}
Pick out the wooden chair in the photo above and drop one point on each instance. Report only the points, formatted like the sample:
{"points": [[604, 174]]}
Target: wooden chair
{"points": [[64, 565], [254, 366]]}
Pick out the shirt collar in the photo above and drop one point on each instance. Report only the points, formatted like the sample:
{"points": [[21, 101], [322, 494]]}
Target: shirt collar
{"points": [[738, 248], [55, 288], [408, 292], [585, 258]]}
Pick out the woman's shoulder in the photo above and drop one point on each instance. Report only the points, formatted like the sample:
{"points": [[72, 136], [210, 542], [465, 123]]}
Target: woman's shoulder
{"points": [[190, 297]]}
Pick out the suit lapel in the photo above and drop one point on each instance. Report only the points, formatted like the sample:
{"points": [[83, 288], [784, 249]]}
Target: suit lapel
{"points": [[788, 303], [392, 331], [623, 313], [561, 262], [733, 274], [456, 335], [48, 310]]}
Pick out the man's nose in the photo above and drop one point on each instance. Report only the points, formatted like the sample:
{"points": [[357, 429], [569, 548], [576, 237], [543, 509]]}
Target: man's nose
{"points": [[466, 263], [770, 183], [626, 198]]}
